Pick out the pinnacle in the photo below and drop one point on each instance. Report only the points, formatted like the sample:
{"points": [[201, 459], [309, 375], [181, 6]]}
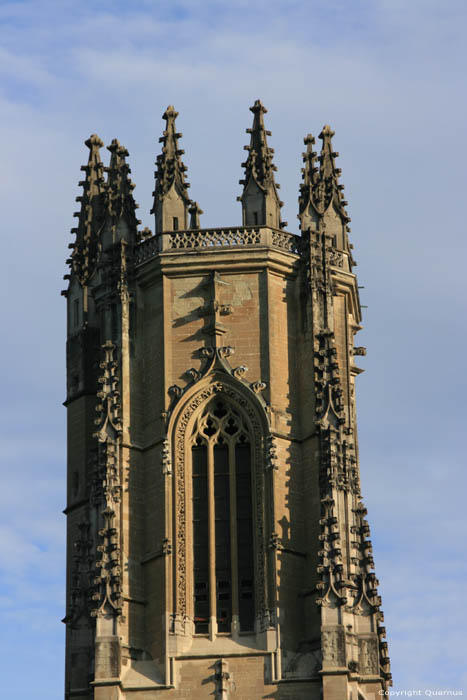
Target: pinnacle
{"points": [[91, 215], [120, 201], [259, 163], [320, 185], [170, 168], [195, 211], [94, 169], [263, 207]]}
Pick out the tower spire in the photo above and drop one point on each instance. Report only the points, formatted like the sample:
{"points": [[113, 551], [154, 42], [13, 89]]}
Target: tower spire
{"points": [[121, 206], [321, 195], [260, 202], [171, 200], [86, 248]]}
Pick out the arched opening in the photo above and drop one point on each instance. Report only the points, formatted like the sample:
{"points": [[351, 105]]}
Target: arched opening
{"points": [[223, 549]]}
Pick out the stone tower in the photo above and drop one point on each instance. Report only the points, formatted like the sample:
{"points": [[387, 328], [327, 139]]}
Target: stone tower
{"points": [[217, 541]]}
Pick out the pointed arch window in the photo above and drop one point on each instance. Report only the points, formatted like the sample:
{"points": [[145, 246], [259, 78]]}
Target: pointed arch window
{"points": [[222, 521]]}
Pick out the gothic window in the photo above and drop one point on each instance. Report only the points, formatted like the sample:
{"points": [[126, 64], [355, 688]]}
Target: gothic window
{"points": [[222, 521]]}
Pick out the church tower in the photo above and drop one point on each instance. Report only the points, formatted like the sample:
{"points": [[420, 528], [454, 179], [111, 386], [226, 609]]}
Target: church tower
{"points": [[217, 543]]}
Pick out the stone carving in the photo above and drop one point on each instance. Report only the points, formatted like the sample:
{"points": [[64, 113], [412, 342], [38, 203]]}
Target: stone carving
{"points": [[305, 663], [284, 240], [320, 187], [240, 371], [338, 468], [333, 646], [120, 203], [166, 458], [107, 581], [217, 359], [207, 238], [271, 453], [195, 212], [146, 250], [91, 217], [226, 351], [259, 176], [170, 181], [208, 352], [258, 386], [109, 424], [336, 258], [193, 374], [368, 656]]}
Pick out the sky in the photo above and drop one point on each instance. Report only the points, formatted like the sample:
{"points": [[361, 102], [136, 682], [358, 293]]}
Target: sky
{"points": [[389, 76]]}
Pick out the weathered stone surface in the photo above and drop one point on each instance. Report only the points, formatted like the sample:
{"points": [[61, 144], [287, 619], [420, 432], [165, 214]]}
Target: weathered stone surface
{"points": [[216, 339]]}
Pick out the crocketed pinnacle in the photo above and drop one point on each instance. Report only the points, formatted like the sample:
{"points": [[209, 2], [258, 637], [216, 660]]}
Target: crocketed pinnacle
{"points": [[260, 201], [91, 215], [120, 201], [170, 168], [320, 185], [259, 163]]}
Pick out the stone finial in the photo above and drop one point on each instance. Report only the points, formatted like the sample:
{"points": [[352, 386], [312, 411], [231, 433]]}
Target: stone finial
{"points": [[120, 203], [195, 211], [260, 202], [171, 200], [86, 248]]}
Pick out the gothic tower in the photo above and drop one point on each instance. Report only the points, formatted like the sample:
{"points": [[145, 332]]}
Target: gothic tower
{"points": [[217, 540]]}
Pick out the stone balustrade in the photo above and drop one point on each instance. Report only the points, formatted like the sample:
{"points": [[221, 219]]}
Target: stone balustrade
{"points": [[233, 237]]}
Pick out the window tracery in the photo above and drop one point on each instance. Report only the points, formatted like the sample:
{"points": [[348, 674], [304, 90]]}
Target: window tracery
{"points": [[221, 453]]}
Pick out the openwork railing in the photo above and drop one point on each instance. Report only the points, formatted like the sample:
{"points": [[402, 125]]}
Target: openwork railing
{"points": [[147, 249], [217, 238]]}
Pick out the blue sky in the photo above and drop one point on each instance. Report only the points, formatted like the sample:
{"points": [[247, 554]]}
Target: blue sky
{"points": [[389, 76]]}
